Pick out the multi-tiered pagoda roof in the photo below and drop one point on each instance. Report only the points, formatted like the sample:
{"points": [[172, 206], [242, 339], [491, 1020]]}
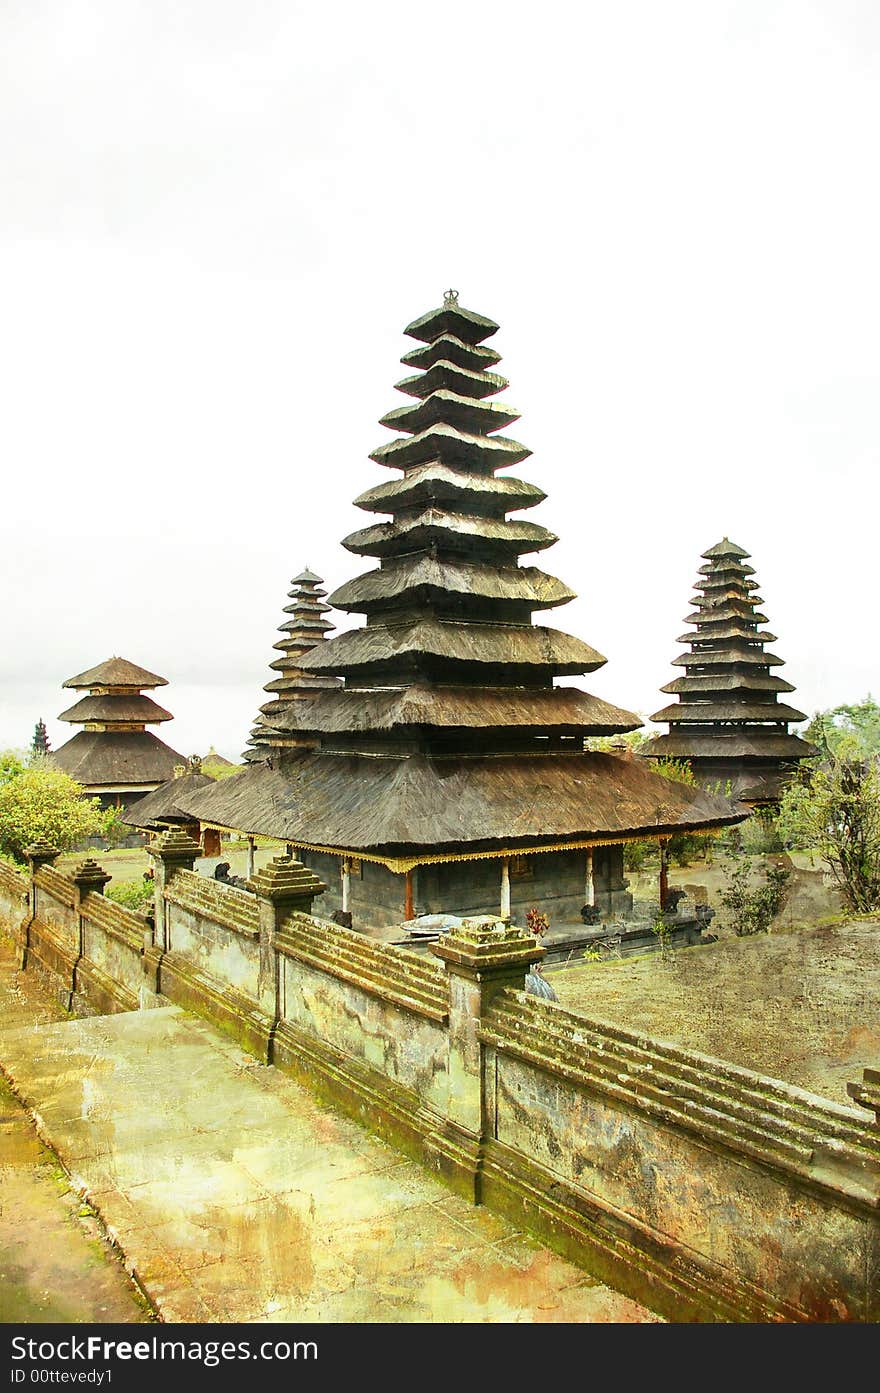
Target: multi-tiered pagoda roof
{"points": [[114, 754], [305, 627], [729, 721], [449, 736]]}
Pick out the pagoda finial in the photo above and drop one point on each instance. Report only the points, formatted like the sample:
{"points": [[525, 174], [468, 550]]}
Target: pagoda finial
{"points": [[450, 299]]}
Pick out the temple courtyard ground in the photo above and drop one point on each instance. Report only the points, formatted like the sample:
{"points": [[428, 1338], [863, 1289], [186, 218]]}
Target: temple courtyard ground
{"points": [[231, 1193], [799, 1004]]}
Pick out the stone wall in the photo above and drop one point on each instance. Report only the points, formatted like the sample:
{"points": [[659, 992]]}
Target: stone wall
{"points": [[705, 1190], [15, 891]]}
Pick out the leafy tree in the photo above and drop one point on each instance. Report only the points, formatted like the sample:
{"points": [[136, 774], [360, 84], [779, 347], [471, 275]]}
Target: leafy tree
{"points": [[12, 762], [836, 815], [848, 730], [113, 829], [39, 801], [633, 739]]}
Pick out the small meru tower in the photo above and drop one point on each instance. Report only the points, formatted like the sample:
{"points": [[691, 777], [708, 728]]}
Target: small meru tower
{"points": [[728, 721], [114, 756]]}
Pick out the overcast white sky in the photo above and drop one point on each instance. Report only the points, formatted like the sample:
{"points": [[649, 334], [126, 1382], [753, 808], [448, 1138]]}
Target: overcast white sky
{"points": [[217, 217]]}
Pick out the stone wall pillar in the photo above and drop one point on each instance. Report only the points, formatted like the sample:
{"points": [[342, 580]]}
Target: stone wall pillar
{"points": [[172, 852], [482, 957], [505, 889], [282, 886], [612, 897], [88, 876], [39, 853]]}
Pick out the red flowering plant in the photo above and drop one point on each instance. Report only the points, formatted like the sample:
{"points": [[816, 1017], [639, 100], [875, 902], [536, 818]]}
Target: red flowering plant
{"points": [[537, 922]]}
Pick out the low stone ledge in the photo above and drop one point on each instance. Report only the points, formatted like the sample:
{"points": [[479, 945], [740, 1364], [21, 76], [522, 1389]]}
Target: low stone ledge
{"points": [[387, 986]]}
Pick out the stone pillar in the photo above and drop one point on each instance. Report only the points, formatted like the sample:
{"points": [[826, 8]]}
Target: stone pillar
{"points": [[482, 957], [249, 872], [284, 885], [505, 889], [40, 853], [88, 876], [589, 888], [408, 911], [346, 885], [611, 895], [172, 852], [664, 872]]}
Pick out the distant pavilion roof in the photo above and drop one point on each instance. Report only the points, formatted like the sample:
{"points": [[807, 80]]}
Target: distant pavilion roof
{"points": [[115, 752]]}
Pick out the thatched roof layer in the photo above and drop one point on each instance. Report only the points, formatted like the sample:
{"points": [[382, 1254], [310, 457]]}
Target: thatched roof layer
{"points": [[723, 549], [452, 318], [747, 742], [497, 644], [448, 347], [162, 804], [450, 408], [436, 482], [116, 708], [126, 757], [116, 672], [437, 527], [419, 805], [452, 446], [422, 577], [751, 681], [714, 711], [462, 708], [445, 375]]}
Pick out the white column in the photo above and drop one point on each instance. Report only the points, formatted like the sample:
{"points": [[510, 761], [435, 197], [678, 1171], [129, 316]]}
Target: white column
{"points": [[589, 888], [250, 858], [346, 885], [505, 887]]}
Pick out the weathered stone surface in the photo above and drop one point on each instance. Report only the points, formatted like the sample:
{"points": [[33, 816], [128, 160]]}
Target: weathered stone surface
{"points": [[239, 1198]]}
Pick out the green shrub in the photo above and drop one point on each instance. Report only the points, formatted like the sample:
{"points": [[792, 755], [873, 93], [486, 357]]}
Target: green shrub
{"points": [[752, 908], [134, 894]]}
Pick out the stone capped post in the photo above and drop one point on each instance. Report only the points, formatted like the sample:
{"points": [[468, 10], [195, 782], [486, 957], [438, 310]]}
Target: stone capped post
{"points": [[88, 876], [172, 852], [482, 957], [282, 886], [40, 853]]}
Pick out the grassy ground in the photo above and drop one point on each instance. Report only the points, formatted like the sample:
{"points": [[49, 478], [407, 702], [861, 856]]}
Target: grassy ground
{"points": [[801, 1005]]}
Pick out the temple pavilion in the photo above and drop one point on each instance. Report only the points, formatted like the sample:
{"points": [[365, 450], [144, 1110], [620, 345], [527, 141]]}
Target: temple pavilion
{"points": [[445, 770], [728, 721], [114, 756]]}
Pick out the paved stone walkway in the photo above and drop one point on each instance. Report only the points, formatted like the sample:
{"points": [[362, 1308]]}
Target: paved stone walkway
{"points": [[55, 1263], [235, 1196]]}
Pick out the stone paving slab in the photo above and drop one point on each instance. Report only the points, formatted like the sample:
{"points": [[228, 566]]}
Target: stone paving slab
{"points": [[235, 1196], [55, 1263]]}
